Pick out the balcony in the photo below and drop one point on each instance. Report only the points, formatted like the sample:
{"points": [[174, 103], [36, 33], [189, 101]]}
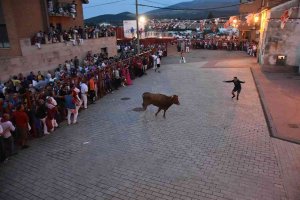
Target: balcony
{"points": [[61, 9]]}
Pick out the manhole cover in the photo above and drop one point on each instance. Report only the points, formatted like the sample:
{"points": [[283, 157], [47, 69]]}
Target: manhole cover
{"points": [[139, 109], [293, 125], [125, 98]]}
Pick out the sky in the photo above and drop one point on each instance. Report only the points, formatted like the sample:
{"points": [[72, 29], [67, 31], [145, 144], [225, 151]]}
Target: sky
{"points": [[94, 8]]}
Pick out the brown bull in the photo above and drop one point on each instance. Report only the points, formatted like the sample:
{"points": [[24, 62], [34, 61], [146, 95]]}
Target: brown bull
{"points": [[161, 101]]}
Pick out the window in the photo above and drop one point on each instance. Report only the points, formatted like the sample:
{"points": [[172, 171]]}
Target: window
{"points": [[4, 42]]}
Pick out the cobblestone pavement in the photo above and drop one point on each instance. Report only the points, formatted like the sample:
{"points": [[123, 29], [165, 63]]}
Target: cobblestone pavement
{"points": [[209, 147], [276, 89]]}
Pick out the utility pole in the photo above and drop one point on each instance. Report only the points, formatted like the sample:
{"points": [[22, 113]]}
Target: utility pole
{"points": [[137, 26]]}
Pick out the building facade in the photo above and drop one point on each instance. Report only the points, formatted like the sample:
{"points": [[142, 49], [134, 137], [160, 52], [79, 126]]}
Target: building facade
{"points": [[20, 21], [23, 19], [251, 9], [262, 22], [250, 30], [280, 42]]}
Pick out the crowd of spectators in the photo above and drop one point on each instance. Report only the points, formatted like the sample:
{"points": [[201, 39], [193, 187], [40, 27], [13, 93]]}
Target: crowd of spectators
{"points": [[126, 49], [75, 35], [175, 24], [35, 105], [219, 44]]}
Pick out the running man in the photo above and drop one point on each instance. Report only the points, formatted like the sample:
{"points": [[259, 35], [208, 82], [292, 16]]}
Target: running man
{"points": [[237, 87], [182, 58]]}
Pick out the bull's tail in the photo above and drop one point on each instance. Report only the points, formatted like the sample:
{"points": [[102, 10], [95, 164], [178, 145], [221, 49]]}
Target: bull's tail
{"points": [[144, 104]]}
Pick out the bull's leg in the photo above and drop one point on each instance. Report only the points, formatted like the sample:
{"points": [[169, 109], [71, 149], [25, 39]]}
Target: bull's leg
{"points": [[165, 113], [159, 109], [144, 106]]}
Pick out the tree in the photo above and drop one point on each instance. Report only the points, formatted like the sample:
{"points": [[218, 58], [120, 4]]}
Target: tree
{"points": [[210, 15]]}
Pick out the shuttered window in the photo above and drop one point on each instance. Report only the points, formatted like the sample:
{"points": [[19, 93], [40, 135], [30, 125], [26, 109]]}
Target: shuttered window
{"points": [[4, 42]]}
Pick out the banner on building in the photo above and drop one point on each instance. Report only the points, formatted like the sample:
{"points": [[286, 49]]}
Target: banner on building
{"points": [[285, 17], [130, 28]]}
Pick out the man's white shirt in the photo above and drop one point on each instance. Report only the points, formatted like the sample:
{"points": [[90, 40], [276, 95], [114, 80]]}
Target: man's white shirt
{"points": [[6, 127], [84, 88]]}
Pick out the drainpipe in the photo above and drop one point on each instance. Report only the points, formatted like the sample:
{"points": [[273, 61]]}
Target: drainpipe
{"points": [[298, 10], [45, 13]]}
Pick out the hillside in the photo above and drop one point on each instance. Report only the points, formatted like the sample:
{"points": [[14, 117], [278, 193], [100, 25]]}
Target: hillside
{"points": [[197, 4], [179, 14], [112, 19]]}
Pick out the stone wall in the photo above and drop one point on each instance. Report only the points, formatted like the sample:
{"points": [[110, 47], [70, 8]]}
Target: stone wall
{"points": [[276, 41], [51, 55]]}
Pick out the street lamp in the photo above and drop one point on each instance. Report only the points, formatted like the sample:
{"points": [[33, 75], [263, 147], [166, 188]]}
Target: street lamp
{"points": [[142, 19], [234, 23], [256, 19]]}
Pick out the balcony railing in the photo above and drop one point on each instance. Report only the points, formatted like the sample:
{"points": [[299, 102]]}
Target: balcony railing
{"points": [[65, 37], [61, 9]]}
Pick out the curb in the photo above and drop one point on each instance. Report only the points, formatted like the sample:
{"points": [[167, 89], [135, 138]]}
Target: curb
{"points": [[271, 126]]}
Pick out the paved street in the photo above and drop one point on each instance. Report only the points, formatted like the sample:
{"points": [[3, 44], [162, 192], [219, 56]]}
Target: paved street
{"points": [[209, 147]]}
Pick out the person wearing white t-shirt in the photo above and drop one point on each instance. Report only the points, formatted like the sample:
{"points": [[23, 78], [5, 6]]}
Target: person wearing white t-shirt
{"points": [[154, 61], [160, 53], [158, 63], [84, 90], [103, 65], [8, 139]]}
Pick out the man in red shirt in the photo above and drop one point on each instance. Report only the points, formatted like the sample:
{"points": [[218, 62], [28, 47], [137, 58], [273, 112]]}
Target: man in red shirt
{"points": [[21, 120]]}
